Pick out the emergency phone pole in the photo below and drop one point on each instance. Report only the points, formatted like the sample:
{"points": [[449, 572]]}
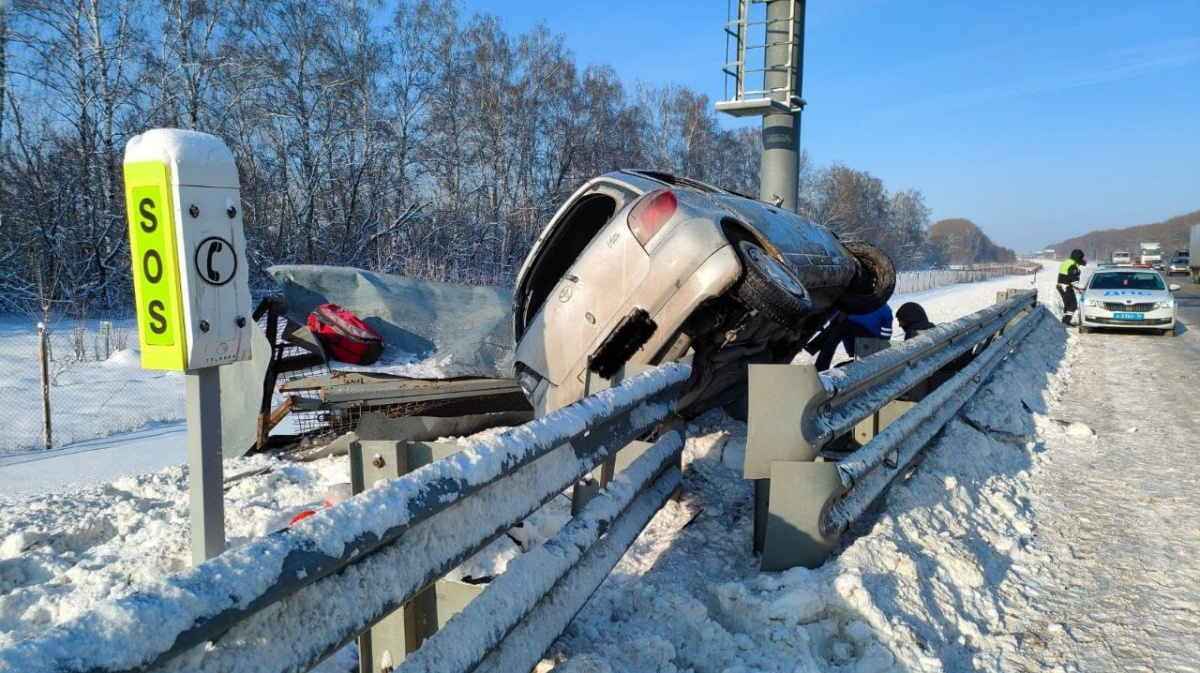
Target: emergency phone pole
{"points": [[190, 286]]}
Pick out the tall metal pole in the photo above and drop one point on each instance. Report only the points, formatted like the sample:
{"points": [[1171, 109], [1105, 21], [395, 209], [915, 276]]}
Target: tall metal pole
{"points": [[780, 168], [205, 465], [44, 359]]}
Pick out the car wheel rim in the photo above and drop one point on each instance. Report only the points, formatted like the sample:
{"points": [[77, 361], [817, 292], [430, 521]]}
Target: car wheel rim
{"points": [[777, 273]]}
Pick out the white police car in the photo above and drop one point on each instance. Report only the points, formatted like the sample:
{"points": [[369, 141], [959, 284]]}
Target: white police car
{"points": [[1128, 299]]}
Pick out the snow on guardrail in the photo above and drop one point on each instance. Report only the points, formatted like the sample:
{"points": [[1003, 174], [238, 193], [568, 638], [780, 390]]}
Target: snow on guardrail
{"points": [[192, 608]]}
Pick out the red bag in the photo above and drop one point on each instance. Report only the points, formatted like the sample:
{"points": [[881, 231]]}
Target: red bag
{"points": [[347, 337]]}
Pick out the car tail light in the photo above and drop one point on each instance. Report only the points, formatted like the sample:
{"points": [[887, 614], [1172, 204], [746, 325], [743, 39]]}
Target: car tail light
{"points": [[651, 213]]}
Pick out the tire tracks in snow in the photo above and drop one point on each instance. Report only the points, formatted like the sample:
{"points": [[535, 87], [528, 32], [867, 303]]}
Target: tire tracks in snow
{"points": [[1112, 579]]}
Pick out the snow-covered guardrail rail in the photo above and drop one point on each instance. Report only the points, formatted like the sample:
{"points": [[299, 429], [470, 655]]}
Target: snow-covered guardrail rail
{"points": [[803, 502], [288, 600]]}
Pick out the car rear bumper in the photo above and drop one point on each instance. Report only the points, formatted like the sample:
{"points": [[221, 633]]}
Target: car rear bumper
{"points": [[711, 279]]}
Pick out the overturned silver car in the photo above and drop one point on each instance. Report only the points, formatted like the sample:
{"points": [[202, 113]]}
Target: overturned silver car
{"points": [[644, 267]]}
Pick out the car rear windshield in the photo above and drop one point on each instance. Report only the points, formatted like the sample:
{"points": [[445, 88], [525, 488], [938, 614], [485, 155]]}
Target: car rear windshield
{"points": [[1127, 281]]}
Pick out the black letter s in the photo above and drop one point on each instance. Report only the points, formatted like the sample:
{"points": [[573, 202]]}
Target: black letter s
{"points": [[158, 321], [150, 221]]}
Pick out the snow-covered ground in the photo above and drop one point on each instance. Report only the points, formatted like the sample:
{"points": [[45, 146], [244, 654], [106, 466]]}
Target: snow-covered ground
{"points": [[90, 397], [991, 556]]}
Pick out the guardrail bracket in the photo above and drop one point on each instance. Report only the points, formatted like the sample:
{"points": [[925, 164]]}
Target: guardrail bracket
{"points": [[801, 493], [781, 398]]}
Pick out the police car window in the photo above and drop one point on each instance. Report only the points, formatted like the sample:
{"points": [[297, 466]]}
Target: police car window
{"points": [[1127, 281]]}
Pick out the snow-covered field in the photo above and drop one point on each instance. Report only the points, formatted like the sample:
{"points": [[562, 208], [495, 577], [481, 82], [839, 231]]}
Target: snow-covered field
{"points": [[984, 558], [88, 398]]}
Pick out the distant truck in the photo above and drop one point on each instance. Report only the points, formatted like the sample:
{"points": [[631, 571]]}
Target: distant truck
{"points": [[1194, 262], [1151, 254], [1122, 258]]}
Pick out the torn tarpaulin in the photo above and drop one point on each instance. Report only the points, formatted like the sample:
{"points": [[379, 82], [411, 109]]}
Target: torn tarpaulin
{"points": [[432, 330]]}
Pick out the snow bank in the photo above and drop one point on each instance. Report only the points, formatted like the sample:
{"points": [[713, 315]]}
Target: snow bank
{"points": [[913, 589], [131, 631]]}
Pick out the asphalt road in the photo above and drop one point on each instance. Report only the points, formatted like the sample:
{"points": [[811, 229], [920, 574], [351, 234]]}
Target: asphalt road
{"points": [[1188, 298], [1112, 579]]}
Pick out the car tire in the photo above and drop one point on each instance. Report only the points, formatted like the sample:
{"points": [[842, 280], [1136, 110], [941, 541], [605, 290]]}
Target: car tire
{"points": [[1084, 330], [1169, 332], [769, 287], [873, 283]]}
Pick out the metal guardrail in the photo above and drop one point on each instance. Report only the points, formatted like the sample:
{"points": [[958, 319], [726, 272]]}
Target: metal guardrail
{"points": [[265, 605], [795, 412], [267, 601], [861, 475]]}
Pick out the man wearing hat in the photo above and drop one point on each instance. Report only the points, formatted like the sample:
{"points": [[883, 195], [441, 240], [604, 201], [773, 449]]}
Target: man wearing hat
{"points": [[1068, 275]]}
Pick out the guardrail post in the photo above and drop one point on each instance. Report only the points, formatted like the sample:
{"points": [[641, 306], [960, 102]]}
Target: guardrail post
{"points": [[802, 495], [781, 399], [1003, 296], [393, 638]]}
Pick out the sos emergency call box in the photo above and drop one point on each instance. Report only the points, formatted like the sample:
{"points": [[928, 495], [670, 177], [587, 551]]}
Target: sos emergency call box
{"points": [[188, 250]]}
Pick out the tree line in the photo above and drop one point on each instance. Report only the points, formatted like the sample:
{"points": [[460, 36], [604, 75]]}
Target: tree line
{"points": [[965, 243], [1171, 234], [399, 137]]}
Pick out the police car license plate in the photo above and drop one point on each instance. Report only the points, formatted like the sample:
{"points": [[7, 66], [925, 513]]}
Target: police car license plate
{"points": [[1129, 316]]}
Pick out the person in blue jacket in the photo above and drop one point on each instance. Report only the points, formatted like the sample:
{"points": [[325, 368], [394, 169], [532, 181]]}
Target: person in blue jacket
{"points": [[846, 328]]}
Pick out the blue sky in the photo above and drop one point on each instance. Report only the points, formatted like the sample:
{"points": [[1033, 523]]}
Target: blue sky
{"points": [[1037, 119]]}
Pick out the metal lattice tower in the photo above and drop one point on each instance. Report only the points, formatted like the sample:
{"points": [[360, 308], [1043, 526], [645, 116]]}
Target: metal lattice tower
{"points": [[765, 64], [763, 52]]}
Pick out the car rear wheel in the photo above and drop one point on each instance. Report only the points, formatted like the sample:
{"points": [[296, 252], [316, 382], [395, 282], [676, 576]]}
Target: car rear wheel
{"points": [[767, 286], [874, 282]]}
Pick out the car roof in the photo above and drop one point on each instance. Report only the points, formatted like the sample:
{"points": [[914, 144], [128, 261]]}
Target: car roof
{"points": [[1128, 269]]}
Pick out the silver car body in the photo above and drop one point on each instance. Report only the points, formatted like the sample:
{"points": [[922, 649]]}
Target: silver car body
{"points": [[1178, 265], [587, 273], [1127, 299]]}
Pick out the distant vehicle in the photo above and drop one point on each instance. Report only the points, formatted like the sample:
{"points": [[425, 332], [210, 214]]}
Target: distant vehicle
{"points": [[1150, 253], [1128, 299], [1178, 265], [642, 267], [1122, 258], [1194, 244]]}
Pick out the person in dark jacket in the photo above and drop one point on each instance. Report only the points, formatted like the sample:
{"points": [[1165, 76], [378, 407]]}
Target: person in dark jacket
{"points": [[912, 320], [1068, 275], [844, 329]]}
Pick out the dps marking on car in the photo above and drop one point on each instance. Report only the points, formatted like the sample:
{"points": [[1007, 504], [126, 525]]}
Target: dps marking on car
{"points": [[1129, 299], [155, 263]]}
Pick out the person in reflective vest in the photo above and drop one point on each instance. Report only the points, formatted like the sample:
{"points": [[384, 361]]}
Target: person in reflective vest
{"points": [[1068, 275]]}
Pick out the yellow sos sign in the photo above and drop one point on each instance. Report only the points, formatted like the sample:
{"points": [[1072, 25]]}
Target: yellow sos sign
{"points": [[155, 258]]}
